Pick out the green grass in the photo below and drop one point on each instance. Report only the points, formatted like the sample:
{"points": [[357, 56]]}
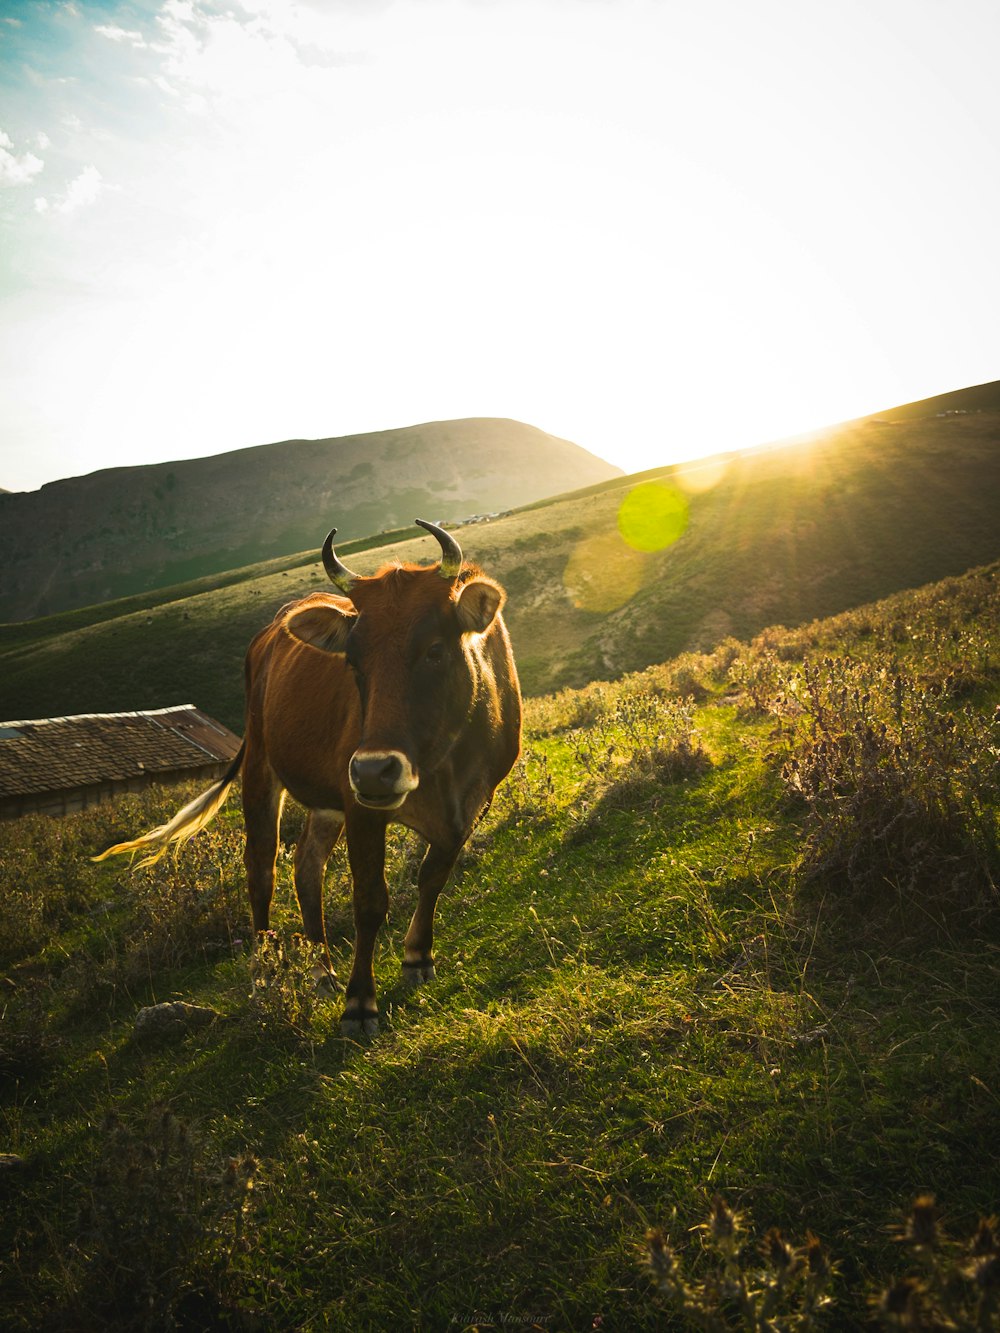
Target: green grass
{"points": [[655, 984], [25, 633]]}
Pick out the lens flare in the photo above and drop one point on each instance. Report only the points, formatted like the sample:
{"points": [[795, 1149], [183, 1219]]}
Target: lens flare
{"points": [[652, 516], [696, 478], [602, 573]]}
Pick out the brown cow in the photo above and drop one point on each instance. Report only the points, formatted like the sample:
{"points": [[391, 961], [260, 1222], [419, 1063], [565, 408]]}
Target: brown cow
{"points": [[397, 702]]}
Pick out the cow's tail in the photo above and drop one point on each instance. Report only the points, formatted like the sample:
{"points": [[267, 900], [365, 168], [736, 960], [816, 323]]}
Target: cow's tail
{"points": [[185, 824]]}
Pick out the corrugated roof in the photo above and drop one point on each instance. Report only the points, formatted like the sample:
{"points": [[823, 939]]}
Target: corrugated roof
{"points": [[59, 753]]}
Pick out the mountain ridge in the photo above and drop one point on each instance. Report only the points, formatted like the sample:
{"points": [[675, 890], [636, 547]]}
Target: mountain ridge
{"points": [[123, 530], [784, 535]]}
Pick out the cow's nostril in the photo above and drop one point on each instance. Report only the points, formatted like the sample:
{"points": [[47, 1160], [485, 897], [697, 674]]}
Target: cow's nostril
{"points": [[377, 774]]}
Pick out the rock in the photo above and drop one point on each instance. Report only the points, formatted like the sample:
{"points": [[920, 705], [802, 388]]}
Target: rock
{"points": [[173, 1018]]}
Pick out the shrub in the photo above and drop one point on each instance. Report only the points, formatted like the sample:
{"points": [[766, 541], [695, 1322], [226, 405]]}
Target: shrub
{"points": [[283, 994], [158, 1230], [526, 795], [757, 675], [189, 906], [899, 789], [566, 710]]}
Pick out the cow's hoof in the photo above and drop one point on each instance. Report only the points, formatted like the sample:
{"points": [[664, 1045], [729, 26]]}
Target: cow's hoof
{"points": [[357, 1026], [417, 972]]}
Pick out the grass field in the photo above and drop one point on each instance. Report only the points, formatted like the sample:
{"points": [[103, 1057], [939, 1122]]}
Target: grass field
{"points": [[730, 929]]}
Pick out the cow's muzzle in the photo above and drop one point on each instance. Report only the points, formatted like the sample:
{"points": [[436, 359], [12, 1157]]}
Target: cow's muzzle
{"points": [[381, 779]]}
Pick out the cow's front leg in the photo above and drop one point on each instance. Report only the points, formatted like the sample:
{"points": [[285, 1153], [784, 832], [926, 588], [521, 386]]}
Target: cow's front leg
{"points": [[366, 852], [418, 955]]}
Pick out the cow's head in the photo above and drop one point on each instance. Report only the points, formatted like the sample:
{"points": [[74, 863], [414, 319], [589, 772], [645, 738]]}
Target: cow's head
{"points": [[412, 640]]}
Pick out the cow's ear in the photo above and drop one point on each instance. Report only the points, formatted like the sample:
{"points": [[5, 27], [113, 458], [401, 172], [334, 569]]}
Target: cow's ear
{"points": [[322, 627], [477, 605]]}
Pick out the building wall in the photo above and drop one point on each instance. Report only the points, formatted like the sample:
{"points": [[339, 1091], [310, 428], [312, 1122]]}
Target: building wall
{"points": [[74, 799]]}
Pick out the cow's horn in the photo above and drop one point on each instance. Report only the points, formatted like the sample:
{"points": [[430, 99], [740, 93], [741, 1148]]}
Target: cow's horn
{"points": [[451, 552], [339, 574]]}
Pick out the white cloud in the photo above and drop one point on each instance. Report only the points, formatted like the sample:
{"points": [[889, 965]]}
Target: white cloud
{"points": [[116, 34], [233, 62], [224, 56], [81, 192], [14, 169]]}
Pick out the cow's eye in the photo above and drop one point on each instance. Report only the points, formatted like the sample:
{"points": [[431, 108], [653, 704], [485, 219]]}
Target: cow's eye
{"points": [[435, 653]]}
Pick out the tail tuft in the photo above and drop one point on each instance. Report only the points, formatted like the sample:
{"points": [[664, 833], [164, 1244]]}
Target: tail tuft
{"points": [[185, 824]]}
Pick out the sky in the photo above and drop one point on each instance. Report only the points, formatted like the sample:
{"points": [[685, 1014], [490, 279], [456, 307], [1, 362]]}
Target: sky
{"points": [[658, 228]]}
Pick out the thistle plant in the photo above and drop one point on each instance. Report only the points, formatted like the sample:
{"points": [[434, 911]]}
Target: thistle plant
{"points": [[958, 1283], [527, 794], [283, 995], [760, 1289], [776, 1287]]}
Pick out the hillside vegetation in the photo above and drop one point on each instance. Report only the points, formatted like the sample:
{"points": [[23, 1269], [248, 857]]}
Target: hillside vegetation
{"points": [[128, 530], [781, 535], [730, 930]]}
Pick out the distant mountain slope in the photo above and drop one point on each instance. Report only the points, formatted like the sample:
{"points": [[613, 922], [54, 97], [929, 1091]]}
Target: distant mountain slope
{"points": [[782, 535], [975, 398], [126, 530]]}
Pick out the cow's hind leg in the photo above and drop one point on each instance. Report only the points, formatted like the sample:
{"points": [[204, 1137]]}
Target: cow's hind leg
{"points": [[263, 797], [366, 851], [322, 829], [418, 955]]}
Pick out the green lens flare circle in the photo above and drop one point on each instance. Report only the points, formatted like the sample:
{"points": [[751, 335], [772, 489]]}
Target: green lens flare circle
{"points": [[652, 516]]}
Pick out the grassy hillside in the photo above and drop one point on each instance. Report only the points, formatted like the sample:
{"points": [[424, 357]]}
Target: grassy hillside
{"points": [[128, 530], [781, 535], [731, 928]]}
